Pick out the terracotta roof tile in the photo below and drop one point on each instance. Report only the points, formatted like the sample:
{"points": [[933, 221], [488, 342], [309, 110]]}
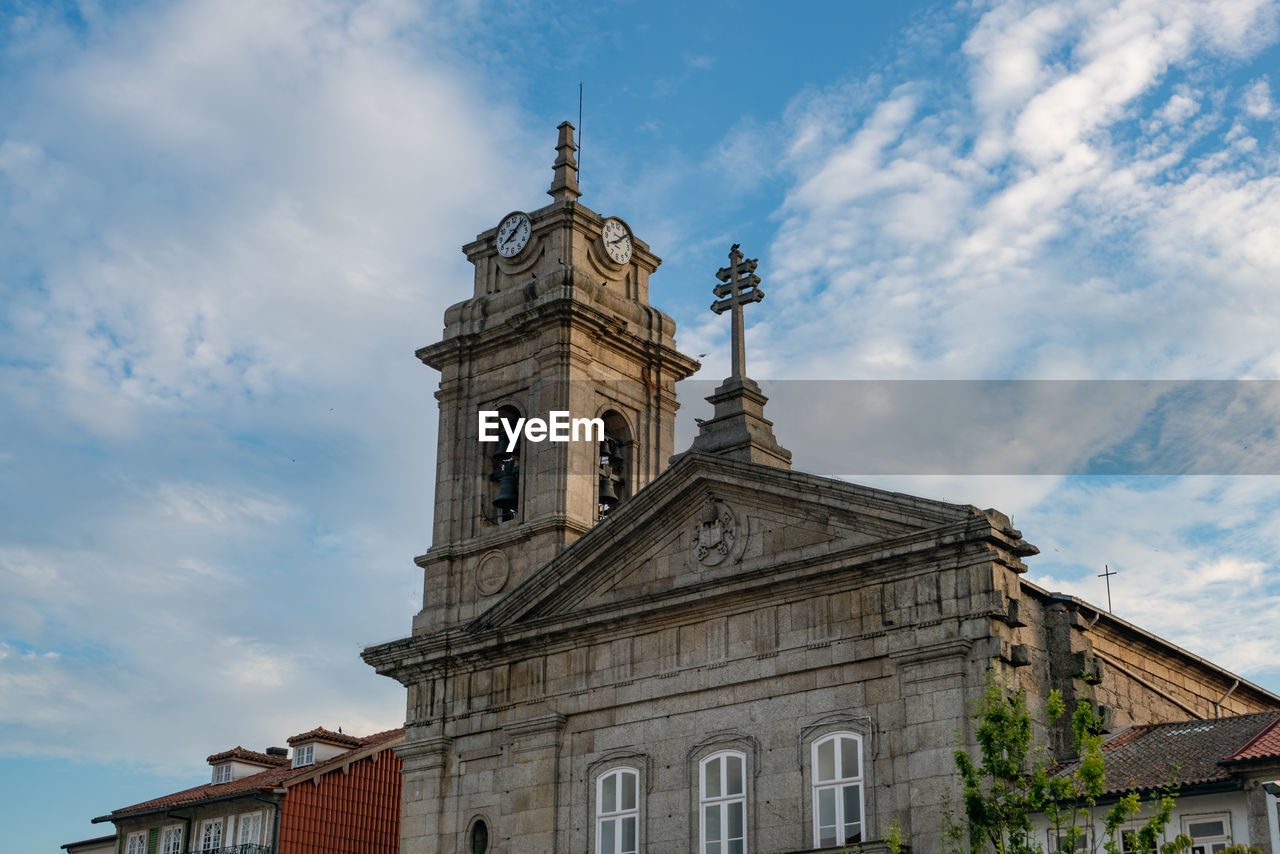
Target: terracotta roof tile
{"points": [[240, 754], [322, 734], [1264, 745], [379, 737], [1182, 754], [269, 779]]}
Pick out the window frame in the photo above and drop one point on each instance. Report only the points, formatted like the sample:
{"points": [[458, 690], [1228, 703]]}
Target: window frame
{"points": [[723, 803], [136, 843], [1053, 841], [838, 784], [240, 825], [309, 750], [621, 814], [1206, 846], [476, 821], [1130, 827], [220, 824], [175, 830], [221, 771]]}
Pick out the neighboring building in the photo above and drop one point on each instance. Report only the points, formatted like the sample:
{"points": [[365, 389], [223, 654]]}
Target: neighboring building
{"points": [[97, 845], [619, 652], [337, 794], [1226, 772]]}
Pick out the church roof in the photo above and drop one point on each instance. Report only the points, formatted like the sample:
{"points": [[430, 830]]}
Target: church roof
{"points": [[1183, 754]]}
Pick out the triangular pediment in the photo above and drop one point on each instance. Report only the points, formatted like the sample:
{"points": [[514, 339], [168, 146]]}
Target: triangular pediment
{"points": [[707, 523]]}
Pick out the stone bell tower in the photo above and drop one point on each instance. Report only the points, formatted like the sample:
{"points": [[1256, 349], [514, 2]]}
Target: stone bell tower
{"points": [[559, 321]]}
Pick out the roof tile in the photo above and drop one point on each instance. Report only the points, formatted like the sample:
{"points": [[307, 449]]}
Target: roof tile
{"points": [[240, 754], [1265, 745], [268, 779], [1178, 754], [322, 734]]}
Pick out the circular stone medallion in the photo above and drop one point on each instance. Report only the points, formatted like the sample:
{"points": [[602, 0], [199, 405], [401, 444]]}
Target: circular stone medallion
{"points": [[492, 573]]}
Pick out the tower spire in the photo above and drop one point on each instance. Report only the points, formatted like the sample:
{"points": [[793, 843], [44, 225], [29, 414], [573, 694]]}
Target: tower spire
{"points": [[564, 186]]}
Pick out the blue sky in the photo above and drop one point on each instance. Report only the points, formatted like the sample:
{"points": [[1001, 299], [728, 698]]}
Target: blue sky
{"points": [[227, 226]]}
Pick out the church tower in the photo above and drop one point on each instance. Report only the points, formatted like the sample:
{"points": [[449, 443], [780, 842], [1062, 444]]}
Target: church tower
{"points": [[559, 322]]}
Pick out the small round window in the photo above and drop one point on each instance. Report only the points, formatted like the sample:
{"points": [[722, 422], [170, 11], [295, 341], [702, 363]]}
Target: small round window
{"points": [[479, 837]]}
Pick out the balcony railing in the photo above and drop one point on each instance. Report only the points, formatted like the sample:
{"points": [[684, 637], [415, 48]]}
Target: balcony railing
{"points": [[236, 849]]}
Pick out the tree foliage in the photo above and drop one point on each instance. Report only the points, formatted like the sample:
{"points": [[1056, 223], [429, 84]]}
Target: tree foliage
{"points": [[1013, 779]]}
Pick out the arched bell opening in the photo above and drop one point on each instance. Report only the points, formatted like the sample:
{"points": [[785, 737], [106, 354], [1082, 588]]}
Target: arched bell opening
{"points": [[502, 468], [614, 483]]}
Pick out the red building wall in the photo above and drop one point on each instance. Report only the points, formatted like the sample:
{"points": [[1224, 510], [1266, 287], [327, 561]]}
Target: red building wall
{"points": [[356, 811]]}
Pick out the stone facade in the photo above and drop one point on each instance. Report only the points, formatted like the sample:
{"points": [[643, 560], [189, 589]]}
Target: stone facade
{"points": [[727, 607]]}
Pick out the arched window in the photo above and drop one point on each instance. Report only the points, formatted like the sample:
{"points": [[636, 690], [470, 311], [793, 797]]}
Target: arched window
{"points": [[502, 471], [837, 789], [722, 801], [617, 812], [615, 450]]}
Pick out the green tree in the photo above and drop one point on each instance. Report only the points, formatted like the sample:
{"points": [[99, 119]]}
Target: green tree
{"points": [[1011, 781]]}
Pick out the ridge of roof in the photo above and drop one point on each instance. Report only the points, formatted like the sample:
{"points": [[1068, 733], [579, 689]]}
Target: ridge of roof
{"points": [[322, 734], [246, 755]]}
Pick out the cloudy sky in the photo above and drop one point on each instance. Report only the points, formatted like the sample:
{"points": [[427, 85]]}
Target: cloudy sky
{"points": [[227, 224]]}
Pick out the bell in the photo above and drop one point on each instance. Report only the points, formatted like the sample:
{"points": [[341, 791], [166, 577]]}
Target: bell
{"points": [[508, 497], [608, 497], [608, 452]]}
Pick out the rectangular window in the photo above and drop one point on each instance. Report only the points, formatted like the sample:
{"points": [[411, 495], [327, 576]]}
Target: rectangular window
{"points": [[171, 840], [211, 835], [250, 832], [837, 790], [305, 755], [1060, 841], [724, 804], [1209, 833], [1127, 836], [617, 812], [136, 843], [222, 774]]}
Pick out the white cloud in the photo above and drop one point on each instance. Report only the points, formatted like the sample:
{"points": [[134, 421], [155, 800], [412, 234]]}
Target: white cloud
{"points": [[996, 237], [226, 226], [1257, 98], [1194, 555]]}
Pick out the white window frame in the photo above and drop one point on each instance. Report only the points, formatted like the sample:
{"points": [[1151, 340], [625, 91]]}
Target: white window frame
{"points": [[221, 774], [1055, 839], [171, 839], [721, 803], [617, 817], [136, 843], [304, 755], [206, 837], [249, 819], [1130, 827], [1208, 844], [837, 784]]}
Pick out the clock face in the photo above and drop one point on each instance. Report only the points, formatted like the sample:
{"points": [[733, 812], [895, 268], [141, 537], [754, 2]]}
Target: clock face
{"points": [[617, 241], [513, 235]]}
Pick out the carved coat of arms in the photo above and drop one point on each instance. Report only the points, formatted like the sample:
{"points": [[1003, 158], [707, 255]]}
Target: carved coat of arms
{"points": [[717, 535]]}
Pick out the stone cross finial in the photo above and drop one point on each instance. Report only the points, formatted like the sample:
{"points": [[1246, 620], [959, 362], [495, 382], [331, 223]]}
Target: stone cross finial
{"points": [[739, 285], [564, 186]]}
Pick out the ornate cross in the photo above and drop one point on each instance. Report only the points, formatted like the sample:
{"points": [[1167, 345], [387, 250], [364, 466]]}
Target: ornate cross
{"points": [[739, 285]]}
